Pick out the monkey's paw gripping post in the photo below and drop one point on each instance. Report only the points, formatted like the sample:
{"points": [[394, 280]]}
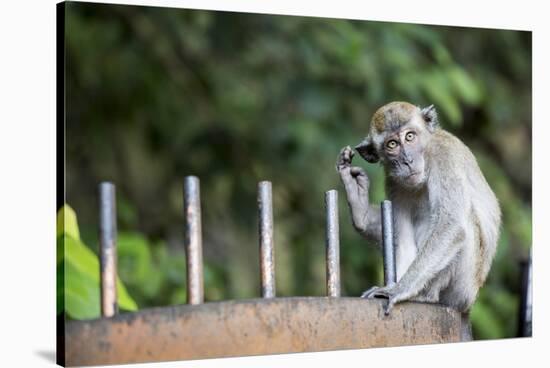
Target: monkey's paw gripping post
{"points": [[266, 325]]}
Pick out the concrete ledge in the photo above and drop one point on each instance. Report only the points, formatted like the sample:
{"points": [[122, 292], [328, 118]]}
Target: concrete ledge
{"points": [[254, 327]]}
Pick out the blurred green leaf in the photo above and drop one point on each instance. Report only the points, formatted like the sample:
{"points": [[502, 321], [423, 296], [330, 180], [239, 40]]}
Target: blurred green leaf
{"points": [[466, 87], [437, 86], [81, 276], [67, 223]]}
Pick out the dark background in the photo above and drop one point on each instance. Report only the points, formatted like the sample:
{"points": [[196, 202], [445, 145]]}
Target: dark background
{"points": [[156, 94]]}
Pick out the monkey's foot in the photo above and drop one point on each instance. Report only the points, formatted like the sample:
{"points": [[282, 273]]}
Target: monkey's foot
{"points": [[376, 292], [385, 292]]}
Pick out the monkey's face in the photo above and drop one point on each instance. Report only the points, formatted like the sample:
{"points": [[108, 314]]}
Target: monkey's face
{"points": [[399, 135], [402, 153]]}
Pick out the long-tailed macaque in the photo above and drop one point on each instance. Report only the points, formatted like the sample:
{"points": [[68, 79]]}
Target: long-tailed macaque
{"points": [[446, 217]]}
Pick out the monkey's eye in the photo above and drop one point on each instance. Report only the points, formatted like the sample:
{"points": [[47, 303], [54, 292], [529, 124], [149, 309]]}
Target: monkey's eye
{"points": [[409, 136], [391, 144]]}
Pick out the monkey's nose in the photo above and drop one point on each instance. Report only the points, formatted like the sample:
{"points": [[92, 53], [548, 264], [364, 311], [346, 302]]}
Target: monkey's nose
{"points": [[407, 159]]}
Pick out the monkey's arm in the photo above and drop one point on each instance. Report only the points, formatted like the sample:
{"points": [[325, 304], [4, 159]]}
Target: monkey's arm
{"points": [[365, 217]]}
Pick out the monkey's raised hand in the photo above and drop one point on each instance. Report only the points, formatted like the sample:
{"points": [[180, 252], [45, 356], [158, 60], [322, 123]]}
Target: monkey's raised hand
{"points": [[356, 184]]}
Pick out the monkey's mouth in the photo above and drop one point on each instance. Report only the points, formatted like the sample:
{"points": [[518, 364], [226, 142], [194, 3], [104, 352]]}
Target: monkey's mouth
{"points": [[414, 178]]}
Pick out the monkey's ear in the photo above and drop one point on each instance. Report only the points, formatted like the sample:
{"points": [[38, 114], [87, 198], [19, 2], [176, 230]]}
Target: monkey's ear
{"points": [[430, 117], [367, 150]]}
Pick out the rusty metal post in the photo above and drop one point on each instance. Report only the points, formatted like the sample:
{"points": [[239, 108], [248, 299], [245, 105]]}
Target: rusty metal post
{"points": [[525, 328], [265, 225], [193, 239], [332, 244], [387, 243], [107, 246]]}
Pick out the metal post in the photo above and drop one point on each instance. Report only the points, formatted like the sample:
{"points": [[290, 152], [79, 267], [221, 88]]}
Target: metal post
{"points": [[332, 244], [526, 301], [387, 246], [193, 239], [107, 245], [265, 225]]}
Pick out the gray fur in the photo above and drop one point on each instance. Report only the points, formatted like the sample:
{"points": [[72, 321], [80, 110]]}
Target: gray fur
{"points": [[447, 218]]}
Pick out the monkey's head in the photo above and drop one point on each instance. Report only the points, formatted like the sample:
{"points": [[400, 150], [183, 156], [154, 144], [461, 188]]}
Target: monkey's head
{"points": [[398, 136]]}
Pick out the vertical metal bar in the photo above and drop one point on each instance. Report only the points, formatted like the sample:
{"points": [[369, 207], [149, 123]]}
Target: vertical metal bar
{"points": [[387, 246], [526, 302], [107, 245], [332, 244], [193, 239], [265, 225]]}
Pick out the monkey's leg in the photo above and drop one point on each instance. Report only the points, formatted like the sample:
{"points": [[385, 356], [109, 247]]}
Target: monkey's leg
{"points": [[425, 298], [432, 292], [432, 260]]}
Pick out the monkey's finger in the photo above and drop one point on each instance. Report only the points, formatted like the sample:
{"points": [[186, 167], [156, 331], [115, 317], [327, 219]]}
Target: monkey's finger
{"points": [[349, 184], [369, 293], [357, 171], [350, 153], [345, 175], [389, 306], [342, 161], [395, 298], [366, 293], [360, 176], [345, 156], [341, 165]]}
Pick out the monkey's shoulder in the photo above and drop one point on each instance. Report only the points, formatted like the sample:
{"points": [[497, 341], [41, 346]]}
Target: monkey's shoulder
{"points": [[449, 151]]}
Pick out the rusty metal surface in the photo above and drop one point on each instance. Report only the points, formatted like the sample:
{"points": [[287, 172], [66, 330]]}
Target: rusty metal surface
{"points": [[332, 244], [388, 250], [265, 229], [256, 326], [193, 239], [107, 248]]}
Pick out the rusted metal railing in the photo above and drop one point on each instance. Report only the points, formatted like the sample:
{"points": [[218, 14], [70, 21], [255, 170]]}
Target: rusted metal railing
{"points": [[193, 239], [265, 325], [388, 250], [107, 242], [525, 320], [332, 244], [265, 229]]}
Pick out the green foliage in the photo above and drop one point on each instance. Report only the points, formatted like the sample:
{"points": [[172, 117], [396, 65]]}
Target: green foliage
{"points": [[78, 273], [156, 275], [155, 94]]}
